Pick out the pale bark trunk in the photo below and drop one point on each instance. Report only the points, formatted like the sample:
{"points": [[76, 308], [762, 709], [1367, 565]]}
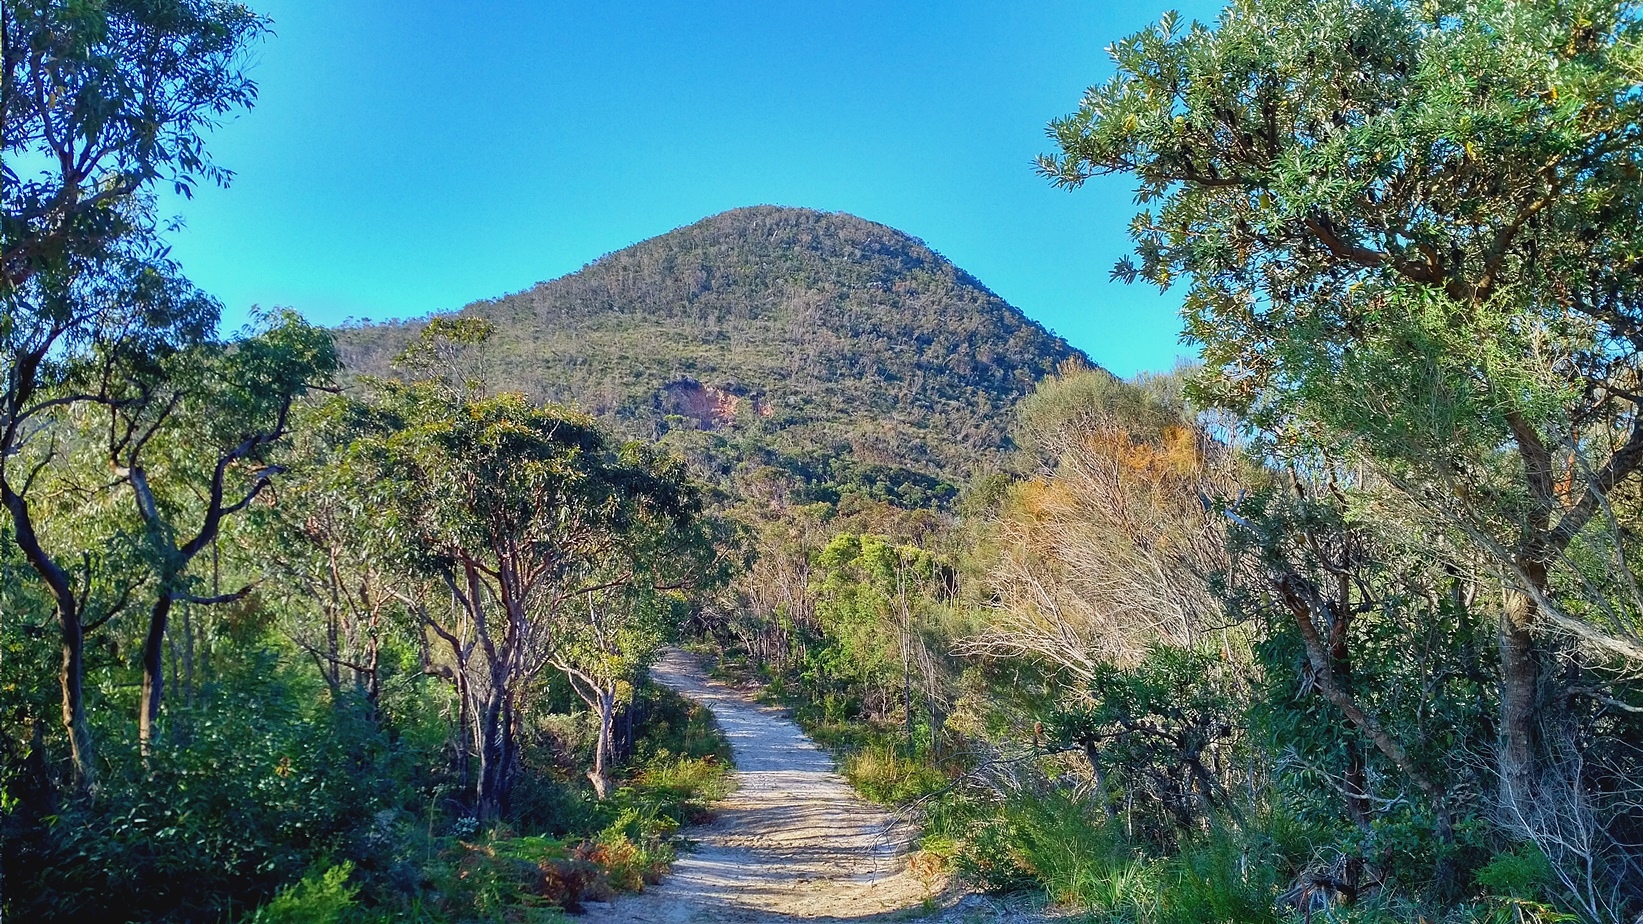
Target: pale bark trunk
{"points": [[490, 792], [603, 755], [464, 733]]}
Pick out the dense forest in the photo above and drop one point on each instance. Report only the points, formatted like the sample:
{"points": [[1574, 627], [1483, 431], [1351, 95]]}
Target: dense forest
{"points": [[1337, 623]]}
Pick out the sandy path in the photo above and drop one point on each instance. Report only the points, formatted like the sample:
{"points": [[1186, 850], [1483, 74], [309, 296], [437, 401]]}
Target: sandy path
{"points": [[792, 843]]}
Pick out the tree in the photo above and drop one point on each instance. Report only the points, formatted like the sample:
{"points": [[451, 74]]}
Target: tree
{"points": [[513, 513], [633, 601], [1313, 574], [318, 550], [108, 98], [104, 99], [1111, 545], [874, 603], [193, 444], [1412, 232], [1161, 730], [607, 638]]}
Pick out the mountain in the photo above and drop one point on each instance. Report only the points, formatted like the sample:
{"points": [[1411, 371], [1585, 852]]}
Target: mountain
{"points": [[804, 339]]}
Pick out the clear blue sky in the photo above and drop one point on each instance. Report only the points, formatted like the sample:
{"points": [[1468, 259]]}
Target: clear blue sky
{"points": [[413, 157]]}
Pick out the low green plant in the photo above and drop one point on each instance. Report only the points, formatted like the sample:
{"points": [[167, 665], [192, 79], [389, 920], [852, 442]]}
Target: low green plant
{"points": [[885, 774], [1222, 876], [1519, 911], [680, 788], [1051, 841], [323, 896], [1521, 874]]}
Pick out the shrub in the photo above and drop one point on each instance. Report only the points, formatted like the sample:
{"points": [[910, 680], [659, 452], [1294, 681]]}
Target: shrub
{"points": [[320, 897], [242, 793], [568, 881], [884, 774], [1524, 873], [681, 788], [1049, 840]]}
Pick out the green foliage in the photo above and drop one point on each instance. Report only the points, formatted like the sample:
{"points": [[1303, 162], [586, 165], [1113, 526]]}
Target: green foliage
{"points": [[674, 725], [255, 787], [320, 897], [181, 515], [1045, 839], [877, 603], [884, 773], [762, 334], [1162, 734], [1079, 399], [1407, 237], [1524, 873]]}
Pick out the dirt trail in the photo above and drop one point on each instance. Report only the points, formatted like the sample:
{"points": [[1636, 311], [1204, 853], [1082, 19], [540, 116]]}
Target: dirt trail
{"points": [[792, 843]]}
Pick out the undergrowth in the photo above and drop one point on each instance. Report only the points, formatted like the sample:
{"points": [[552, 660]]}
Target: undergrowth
{"points": [[445, 870]]}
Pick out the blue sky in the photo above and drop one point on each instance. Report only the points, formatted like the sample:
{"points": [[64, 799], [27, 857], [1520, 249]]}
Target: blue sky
{"points": [[413, 157]]}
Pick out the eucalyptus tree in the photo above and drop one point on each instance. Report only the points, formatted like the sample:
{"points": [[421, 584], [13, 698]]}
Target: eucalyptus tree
{"points": [[98, 103], [1413, 231], [194, 446], [633, 600], [512, 513], [877, 602], [608, 637], [317, 553]]}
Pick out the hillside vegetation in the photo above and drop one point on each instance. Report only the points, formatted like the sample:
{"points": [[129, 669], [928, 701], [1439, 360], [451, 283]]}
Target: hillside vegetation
{"points": [[809, 334], [1340, 624]]}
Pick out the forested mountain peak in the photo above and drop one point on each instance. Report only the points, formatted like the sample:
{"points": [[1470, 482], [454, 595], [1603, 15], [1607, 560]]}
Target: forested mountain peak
{"points": [[770, 330]]}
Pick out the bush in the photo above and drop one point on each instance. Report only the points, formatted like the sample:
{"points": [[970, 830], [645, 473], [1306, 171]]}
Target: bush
{"points": [[320, 897], [241, 794], [1050, 841], [884, 774], [682, 789], [1524, 873], [569, 880]]}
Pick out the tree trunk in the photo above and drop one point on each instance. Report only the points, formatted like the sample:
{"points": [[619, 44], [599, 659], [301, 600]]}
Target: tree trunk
{"points": [[1302, 600], [599, 776], [369, 681], [148, 710], [1093, 755], [488, 784], [72, 680], [187, 684], [1519, 685], [1340, 657], [465, 725], [69, 619], [507, 769]]}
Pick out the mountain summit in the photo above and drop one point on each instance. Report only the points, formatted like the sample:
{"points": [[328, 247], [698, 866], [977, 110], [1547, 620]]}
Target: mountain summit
{"points": [[800, 332]]}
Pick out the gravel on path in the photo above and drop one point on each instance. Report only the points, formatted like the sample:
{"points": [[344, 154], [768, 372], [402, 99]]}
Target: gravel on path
{"points": [[793, 842]]}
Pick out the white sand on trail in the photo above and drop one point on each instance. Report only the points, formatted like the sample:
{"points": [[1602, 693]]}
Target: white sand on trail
{"points": [[792, 843]]}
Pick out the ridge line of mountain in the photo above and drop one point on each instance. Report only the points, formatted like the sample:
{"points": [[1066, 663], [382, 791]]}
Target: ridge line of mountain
{"points": [[767, 334]]}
